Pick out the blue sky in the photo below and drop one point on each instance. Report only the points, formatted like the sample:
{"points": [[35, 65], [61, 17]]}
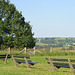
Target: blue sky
{"points": [[49, 18]]}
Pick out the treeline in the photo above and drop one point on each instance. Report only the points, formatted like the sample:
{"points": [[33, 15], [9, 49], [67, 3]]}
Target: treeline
{"points": [[55, 42]]}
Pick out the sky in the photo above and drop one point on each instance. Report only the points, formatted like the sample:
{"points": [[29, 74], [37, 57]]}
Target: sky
{"points": [[48, 18]]}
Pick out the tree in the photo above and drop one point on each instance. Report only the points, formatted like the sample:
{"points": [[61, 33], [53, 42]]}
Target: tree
{"points": [[14, 31]]}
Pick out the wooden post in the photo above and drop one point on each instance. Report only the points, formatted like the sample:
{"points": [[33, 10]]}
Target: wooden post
{"points": [[52, 66], [51, 50], [6, 59], [9, 50], [28, 65], [16, 64], [34, 50], [25, 50], [71, 67]]}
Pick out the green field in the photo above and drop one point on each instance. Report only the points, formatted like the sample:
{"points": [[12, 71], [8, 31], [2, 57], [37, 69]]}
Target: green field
{"points": [[41, 68]]}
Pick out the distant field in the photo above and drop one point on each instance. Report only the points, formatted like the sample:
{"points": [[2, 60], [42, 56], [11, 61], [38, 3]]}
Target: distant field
{"points": [[41, 68], [41, 44]]}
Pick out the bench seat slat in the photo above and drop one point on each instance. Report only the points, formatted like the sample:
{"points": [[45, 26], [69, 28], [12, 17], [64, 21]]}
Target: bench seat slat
{"points": [[62, 63], [62, 66], [5, 55], [22, 60], [32, 63], [58, 59], [2, 57]]}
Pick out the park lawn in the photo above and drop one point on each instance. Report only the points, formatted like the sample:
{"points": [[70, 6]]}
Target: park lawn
{"points": [[41, 68]]}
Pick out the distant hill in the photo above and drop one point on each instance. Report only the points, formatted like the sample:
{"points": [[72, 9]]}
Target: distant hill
{"points": [[54, 42]]}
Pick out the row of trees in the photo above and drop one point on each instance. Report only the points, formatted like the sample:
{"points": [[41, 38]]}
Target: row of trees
{"points": [[14, 31], [58, 42], [69, 48]]}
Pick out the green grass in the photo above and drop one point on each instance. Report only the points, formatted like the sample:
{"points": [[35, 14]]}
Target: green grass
{"points": [[41, 68]]}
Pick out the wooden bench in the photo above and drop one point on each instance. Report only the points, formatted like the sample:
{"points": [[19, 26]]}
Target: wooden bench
{"points": [[4, 57], [22, 59], [57, 63]]}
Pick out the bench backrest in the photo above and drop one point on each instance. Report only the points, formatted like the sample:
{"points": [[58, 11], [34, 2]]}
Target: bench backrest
{"points": [[67, 63], [64, 62], [58, 59], [21, 58]]}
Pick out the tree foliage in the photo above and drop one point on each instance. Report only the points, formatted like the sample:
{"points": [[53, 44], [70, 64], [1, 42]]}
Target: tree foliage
{"points": [[14, 31]]}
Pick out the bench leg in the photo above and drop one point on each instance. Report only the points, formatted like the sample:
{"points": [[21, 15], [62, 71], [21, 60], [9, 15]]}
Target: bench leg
{"points": [[6, 59], [16, 64], [71, 67], [28, 65], [52, 66]]}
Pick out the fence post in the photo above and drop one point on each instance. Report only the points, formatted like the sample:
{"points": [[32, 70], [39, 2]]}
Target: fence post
{"points": [[25, 50], [34, 50], [51, 50], [9, 50]]}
